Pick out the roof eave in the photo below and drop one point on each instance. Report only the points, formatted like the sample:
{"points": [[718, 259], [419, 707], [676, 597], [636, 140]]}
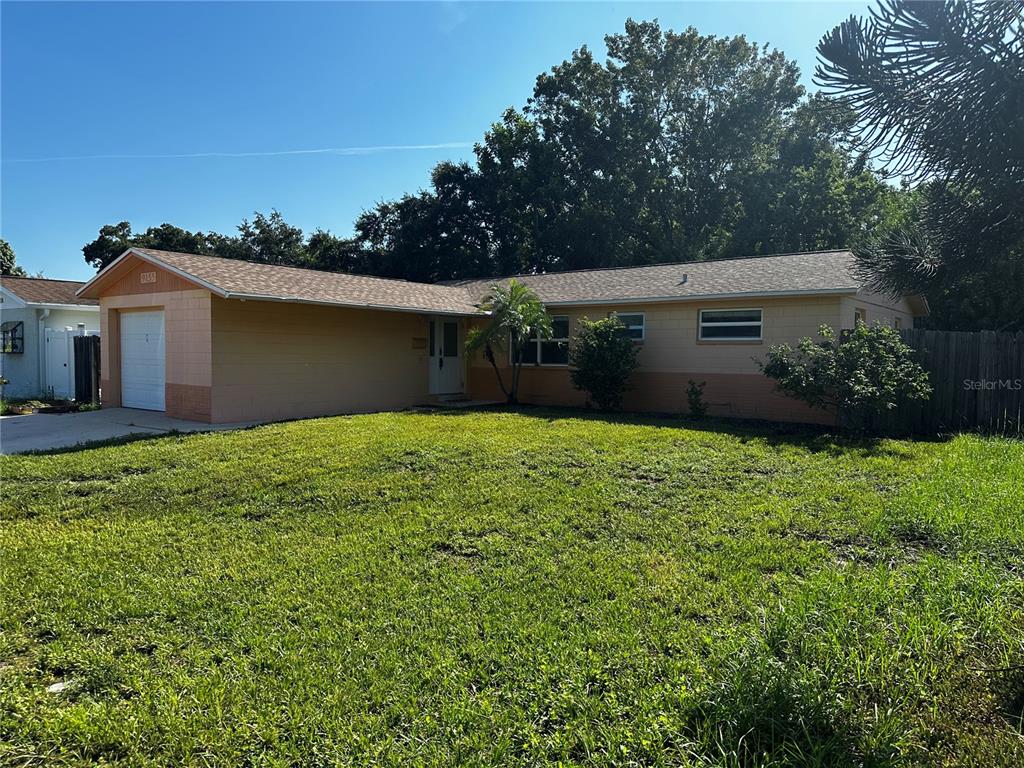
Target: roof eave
{"points": [[47, 305], [922, 308], [103, 273], [352, 304]]}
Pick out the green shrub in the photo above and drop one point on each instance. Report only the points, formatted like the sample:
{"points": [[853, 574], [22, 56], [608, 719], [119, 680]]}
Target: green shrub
{"points": [[603, 357], [862, 373], [695, 398]]}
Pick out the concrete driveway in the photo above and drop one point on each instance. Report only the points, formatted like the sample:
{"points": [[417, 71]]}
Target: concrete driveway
{"points": [[44, 432]]}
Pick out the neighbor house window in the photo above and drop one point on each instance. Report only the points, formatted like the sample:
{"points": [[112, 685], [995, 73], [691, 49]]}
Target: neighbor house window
{"points": [[730, 324], [860, 315], [897, 323], [12, 337], [634, 322], [553, 351]]}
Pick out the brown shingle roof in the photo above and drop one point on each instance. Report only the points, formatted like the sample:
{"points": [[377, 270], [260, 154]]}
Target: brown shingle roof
{"points": [[39, 290], [782, 275], [786, 274], [247, 279]]}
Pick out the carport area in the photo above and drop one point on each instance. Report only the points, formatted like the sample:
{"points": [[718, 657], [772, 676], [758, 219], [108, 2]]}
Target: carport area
{"points": [[45, 432]]}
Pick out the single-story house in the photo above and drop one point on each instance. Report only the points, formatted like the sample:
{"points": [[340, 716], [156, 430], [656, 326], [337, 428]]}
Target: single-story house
{"points": [[38, 318], [219, 340]]}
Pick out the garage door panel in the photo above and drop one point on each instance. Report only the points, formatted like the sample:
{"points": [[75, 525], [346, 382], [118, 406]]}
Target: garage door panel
{"points": [[142, 360]]}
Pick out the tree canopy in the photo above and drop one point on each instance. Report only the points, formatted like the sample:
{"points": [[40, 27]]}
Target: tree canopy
{"points": [[938, 91], [265, 239], [678, 146], [8, 264]]}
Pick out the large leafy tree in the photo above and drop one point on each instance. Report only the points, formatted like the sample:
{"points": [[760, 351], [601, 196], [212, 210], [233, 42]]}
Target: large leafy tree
{"points": [[938, 90], [8, 264], [429, 236], [654, 141], [677, 146], [114, 239], [813, 191], [267, 239], [334, 254]]}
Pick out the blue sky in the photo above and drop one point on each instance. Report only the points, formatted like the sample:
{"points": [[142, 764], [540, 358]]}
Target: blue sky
{"points": [[95, 81]]}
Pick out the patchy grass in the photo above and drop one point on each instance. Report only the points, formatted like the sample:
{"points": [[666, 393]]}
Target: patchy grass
{"points": [[513, 589]]}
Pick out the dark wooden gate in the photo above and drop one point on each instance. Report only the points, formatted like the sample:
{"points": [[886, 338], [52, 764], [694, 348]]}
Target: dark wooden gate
{"points": [[87, 369]]}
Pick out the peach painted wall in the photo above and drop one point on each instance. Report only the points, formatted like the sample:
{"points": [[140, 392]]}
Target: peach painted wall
{"points": [[274, 360], [135, 276], [187, 344], [671, 354]]}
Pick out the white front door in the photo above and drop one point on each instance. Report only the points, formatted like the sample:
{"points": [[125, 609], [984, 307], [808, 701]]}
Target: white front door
{"points": [[142, 360], [60, 362], [446, 361]]}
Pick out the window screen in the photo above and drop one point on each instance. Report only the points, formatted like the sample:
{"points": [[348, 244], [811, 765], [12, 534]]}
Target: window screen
{"points": [[634, 322], [730, 324]]}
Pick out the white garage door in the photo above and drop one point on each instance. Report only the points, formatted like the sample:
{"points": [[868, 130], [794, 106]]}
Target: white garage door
{"points": [[142, 360]]}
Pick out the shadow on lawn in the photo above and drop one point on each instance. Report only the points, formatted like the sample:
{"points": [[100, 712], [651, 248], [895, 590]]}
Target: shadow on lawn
{"points": [[812, 438]]}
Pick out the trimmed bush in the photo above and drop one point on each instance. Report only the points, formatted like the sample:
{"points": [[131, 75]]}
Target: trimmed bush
{"points": [[603, 358]]}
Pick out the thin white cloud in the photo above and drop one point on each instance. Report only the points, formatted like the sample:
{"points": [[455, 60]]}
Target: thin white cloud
{"points": [[277, 153], [453, 16]]}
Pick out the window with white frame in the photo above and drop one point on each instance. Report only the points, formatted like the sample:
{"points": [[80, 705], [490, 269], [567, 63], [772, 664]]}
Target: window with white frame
{"points": [[552, 351], [634, 322], [730, 324]]}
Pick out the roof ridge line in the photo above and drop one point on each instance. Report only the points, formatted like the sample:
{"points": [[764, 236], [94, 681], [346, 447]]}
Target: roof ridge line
{"points": [[292, 266], [464, 281], [48, 279]]}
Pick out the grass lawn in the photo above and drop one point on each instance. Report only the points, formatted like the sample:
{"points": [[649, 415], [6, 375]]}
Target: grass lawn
{"points": [[513, 589]]}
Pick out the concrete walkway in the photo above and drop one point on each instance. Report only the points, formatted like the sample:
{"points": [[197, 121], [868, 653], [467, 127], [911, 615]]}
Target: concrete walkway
{"points": [[44, 432]]}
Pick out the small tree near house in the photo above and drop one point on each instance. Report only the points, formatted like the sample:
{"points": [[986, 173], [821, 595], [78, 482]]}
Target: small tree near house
{"points": [[515, 315], [861, 373], [603, 358]]}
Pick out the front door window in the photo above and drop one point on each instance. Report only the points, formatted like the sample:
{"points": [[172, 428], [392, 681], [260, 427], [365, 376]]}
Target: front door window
{"points": [[445, 356]]}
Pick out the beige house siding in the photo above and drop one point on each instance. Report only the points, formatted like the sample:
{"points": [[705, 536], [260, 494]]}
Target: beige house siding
{"points": [[877, 307], [230, 360], [672, 354], [275, 360]]}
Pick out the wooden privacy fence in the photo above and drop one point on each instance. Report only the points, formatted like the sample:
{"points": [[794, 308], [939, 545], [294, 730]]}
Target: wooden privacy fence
{"points": [[977, 380], [87, 369]]}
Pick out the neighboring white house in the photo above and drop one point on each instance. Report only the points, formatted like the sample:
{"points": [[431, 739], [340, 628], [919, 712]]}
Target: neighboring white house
{"points": [[38, 320]]}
